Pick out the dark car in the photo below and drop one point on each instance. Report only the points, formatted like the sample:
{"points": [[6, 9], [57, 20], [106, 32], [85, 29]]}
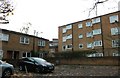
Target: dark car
{"points": [[6, 69], [35, 64]]}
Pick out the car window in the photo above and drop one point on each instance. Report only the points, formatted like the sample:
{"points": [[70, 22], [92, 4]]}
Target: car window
{"points": [[1, 62], [39, 60], [29, 59]]}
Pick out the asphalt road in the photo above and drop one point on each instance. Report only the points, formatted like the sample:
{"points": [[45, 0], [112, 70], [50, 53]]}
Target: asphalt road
{"points": [[79, 70]]}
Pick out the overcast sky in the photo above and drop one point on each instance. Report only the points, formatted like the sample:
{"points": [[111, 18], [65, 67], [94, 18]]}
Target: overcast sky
{"points": [[47, 15]]}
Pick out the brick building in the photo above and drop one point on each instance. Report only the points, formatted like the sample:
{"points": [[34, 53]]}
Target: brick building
{"points": [[15, 45], [53, 47], [100, 33]]}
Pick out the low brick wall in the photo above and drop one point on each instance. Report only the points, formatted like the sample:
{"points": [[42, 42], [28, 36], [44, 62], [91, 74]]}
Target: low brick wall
{"points": [[88, 61], [81, 61]]}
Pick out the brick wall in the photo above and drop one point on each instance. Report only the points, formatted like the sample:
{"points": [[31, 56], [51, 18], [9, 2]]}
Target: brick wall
{"points": [[88, 61]]}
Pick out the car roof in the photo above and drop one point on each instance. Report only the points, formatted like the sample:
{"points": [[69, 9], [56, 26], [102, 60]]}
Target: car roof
{"points": [[31, 57]]}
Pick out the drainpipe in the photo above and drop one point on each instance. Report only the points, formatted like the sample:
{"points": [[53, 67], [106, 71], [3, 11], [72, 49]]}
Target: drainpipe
{"points": [[33, 44], [117, 25], [72, 39], [102, 37]]}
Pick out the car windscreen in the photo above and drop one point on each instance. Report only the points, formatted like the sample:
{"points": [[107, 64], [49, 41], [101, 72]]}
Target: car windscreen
{"points": [[39, 60], [1, 62]]}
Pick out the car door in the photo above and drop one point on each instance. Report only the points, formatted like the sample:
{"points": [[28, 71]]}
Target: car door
{"points": [[29, 64]]}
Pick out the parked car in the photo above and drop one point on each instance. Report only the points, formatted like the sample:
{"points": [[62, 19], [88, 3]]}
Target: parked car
{"points": [[35, 64], [6, 69]]}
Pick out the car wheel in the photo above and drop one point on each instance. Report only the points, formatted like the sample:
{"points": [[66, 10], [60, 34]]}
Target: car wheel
{"points": [[7, 73]]}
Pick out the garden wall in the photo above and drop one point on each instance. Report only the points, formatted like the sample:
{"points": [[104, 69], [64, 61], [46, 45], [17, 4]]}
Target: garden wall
{"points": [[87, 61], [80, 61]]}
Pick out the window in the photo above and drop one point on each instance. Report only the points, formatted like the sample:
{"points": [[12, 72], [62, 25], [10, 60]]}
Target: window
{"points": [[90, 45], [95, 55], [26, 54], [80, 36], [69, 27], [64, 39], [64, 30], [41, 43], [24, 40], [89, 34], [80, 26], [116, 54], [97, 31], [115, 43], [64, 47], [113, 18], [69, 46], [96, 20], [88, 24], [98, 43], [4, 37], [80, 46], [69, 36], [115, 31]]}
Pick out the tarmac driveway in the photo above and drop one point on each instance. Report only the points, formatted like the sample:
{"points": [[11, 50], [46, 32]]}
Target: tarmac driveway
{"points": [[80, 70]]}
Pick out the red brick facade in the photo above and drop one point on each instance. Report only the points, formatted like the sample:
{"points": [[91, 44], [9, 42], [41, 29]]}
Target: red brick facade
{"points": [[96, 33], [16, 45]]}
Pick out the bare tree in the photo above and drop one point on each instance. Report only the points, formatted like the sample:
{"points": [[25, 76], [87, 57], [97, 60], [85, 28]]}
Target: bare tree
{"points": [[95, 6], [6, 8], [25, 28]]}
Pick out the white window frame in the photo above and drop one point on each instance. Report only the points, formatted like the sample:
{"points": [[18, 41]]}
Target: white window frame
{"points": [[24, 40], [90, 45], [70, 46], [95, 55], [64, 39], [116, 54], [97, 31], [69, 27], [64, 30], [80, 45], [4, 37], [81, 36], [69, 36], [80, 25], [26, 54], [63, 48], [89, 34], [113, 18], [41, 43], [96, 20], [88, 24], [115, 31], [116, 43], [98, 43]]}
